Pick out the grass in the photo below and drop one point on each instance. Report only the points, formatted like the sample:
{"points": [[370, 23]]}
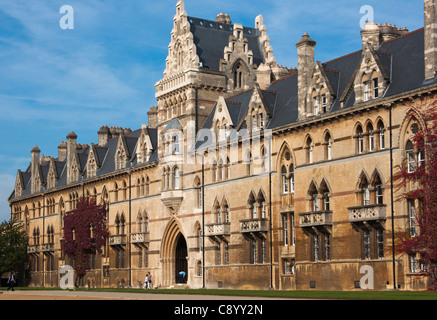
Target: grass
{"points": [[350, 295]]}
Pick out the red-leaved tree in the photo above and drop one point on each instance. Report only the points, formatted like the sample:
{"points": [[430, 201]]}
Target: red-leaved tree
{"points": [[85, 231], [422, 182]]}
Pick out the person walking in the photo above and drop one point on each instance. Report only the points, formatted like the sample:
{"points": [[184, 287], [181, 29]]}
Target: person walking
{"points": [[150, 285], [146, 281], [11, 281]]}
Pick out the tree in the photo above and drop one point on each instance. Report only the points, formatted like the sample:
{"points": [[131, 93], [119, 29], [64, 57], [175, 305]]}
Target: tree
{"points": [[85, 232], [423, 179], [13, 248]]}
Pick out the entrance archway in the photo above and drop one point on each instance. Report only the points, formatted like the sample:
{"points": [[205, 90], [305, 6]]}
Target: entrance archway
{"points": [[174, 253], [181, 262]]}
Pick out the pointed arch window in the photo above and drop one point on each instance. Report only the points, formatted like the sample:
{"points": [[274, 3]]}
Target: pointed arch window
{"points": [[238, 73], [360, 139], [381, 135], [309, 150]]}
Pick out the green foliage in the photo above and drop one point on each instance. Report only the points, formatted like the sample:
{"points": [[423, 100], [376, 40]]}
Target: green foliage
{"points": [[13, 247]]}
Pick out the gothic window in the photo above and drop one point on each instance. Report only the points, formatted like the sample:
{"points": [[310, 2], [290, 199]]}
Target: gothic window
{"points": [[359, 139], [287, 173], [238, 73], [120, 160], [309, 150], [371, 142], [328, 146], [377, 189], [411, 157], [176, 178], [325, 196], [313, 197], [381, 134], [412, 216]]}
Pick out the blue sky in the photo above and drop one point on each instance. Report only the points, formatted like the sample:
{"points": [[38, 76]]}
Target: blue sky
{"points": [[103, 71]]}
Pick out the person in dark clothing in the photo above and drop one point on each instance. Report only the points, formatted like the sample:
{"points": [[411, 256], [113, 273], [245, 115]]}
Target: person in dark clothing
{"points": [[11, 281]]}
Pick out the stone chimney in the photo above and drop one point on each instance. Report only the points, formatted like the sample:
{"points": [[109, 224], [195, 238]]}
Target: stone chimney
{"points": [[62, 150], [152, 116], [370, 34], [104, 135], [430, 11], [36, 182], [305, 66], [71, 150]]}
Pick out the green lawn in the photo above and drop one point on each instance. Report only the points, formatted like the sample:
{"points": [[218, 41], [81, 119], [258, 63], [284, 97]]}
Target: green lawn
{"points": [[359, 295]]}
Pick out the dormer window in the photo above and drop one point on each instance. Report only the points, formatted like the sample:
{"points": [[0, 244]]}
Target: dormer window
{"points": [[319, 101], [324, 103], [371, 88], [316, 105], [375, 88]]}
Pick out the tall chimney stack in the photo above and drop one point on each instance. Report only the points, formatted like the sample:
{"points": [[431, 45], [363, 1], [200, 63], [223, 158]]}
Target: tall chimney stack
{"points": [[305, 66], [36, 183], [71, 150], [430, 10]]}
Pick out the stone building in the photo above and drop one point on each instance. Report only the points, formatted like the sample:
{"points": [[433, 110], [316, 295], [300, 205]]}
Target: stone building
{"points": [[249, 174]]}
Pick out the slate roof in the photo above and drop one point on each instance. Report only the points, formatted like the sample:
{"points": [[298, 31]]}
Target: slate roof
{"points": [[106, 161], [401, 58], [212, 37]]}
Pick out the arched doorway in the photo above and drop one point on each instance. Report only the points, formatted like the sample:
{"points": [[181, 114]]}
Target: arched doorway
{"points": [[181, 263], [174, 254]]}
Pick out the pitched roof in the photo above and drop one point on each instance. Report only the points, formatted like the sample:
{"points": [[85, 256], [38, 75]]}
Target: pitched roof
{"points": [[211, 37]]}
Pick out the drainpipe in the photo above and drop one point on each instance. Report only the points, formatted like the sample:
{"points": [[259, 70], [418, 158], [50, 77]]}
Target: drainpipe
{"points": [[129, 231], [270, 209], [203, 222], [391, 191]]}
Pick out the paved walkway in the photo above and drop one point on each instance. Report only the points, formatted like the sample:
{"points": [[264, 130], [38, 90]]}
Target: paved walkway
{"points": [[93, 295]]}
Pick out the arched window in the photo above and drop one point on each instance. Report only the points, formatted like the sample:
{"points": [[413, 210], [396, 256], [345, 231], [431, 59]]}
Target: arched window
{"points": [[364, 191], [287, 173], [377, 189], [371, 136], [176, 183], [238, 76], [309, 150], [285, 183], [411, 157], [328, 146], [360, 139], [313, 197], [381, 134], [324, 192], [216, 212]]}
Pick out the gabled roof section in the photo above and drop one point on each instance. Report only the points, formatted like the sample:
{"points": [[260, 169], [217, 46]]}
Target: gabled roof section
{"points": [[211, 37]]}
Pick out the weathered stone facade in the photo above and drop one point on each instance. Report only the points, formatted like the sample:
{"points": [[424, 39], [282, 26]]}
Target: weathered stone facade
{"points": [[285, 185]]}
